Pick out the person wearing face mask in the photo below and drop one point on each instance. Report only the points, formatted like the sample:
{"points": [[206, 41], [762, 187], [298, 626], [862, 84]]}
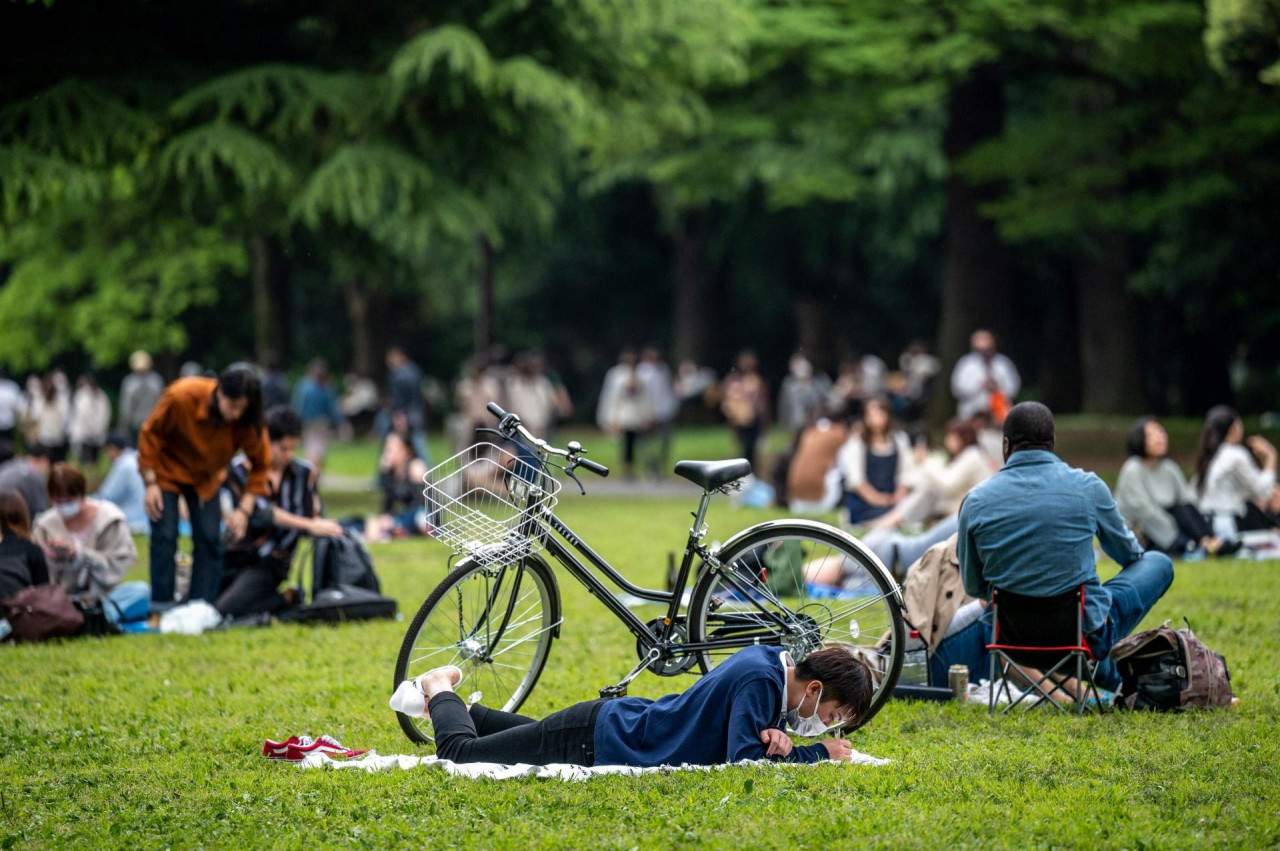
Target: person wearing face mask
{"points": [[984, 379], [193, 432], [86, 542], [802, 393], [740, 710]]}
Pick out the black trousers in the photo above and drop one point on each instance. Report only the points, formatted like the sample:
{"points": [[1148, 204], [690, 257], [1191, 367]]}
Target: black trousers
{"points": [[1191, 523], [251, 585], [488, 735]]}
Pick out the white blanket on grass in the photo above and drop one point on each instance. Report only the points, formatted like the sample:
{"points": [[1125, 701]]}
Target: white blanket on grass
{"points": [[372, 761]]}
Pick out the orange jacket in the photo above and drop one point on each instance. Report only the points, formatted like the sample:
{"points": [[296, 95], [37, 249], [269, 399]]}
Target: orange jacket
{"points": [[185, 446]]}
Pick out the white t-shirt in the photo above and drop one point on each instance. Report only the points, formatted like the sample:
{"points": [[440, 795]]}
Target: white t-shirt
{"points": [[11, 404]]}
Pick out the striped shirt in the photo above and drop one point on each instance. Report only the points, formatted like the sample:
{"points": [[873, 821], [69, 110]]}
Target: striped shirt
{"points": [[296, 494]]}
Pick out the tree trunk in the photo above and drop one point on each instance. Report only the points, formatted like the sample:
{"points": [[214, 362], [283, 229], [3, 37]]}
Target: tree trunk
{"points": [[978, 270], [264, 320], [482, 331], [813, 333], [269, 282], [1060, 362], [362, 356], [1108, 354], [691, 238]]}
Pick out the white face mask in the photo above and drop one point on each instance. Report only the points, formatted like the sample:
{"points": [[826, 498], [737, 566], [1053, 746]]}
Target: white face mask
{"points": [[810, 725], [69, 509]]}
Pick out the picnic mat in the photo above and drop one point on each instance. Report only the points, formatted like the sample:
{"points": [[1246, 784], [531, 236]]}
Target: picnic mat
{"points": [[371, 762]]}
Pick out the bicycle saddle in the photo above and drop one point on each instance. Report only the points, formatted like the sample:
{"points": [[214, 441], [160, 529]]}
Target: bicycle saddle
{"points": [[710, 475]]}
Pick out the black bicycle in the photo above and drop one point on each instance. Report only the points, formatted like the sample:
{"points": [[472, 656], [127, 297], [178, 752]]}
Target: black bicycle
{"points": [[498, 610]]}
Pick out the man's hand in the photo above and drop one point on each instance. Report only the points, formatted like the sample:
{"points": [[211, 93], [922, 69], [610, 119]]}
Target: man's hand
{"points": [[838, 749], [153, 502], [237, 524], [325, 528], [777, 742]]}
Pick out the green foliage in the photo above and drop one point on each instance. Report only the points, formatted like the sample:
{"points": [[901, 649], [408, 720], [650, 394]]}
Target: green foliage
{"points": [[1243, 38], [221, 160], [107, 287], [284, 102], [31, 182]]}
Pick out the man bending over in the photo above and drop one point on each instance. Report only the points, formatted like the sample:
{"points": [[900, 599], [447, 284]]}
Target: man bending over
{"points": [[738, 711], [1029, 530]]}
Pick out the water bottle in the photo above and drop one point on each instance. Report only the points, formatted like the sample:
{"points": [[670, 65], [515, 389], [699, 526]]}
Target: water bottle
{"points": [[915, 661]]}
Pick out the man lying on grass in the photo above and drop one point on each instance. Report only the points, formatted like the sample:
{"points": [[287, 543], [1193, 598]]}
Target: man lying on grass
{"points": [[738, 711]]}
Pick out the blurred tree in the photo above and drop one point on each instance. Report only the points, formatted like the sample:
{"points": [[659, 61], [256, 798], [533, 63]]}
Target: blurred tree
{"points": [[1243, 38]]}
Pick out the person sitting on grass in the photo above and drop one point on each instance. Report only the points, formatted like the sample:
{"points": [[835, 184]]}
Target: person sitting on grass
{"points": [[1154, 497], [738, 711], [257, 564], [22, 563], [86, 542], [401, 481], [1029, 530], [1236, 477]]}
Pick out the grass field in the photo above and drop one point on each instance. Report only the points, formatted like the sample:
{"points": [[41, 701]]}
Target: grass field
{"points": [[152, 741]]}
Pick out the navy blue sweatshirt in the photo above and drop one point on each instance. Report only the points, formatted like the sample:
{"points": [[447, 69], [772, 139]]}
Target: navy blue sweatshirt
{"points": [[718, 720]]}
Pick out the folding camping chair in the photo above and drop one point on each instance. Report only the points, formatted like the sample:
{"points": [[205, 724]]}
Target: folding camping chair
{"points": [[1044, 634]]}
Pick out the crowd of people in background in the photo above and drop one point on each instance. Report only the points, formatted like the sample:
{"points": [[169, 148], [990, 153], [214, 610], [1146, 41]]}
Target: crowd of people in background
{"points": [[236, 458]]}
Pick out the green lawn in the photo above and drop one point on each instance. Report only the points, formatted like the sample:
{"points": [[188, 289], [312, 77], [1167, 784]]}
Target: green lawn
{"points": [[148, 741]]}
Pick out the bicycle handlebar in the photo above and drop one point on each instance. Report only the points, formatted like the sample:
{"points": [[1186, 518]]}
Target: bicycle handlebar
{"points": [[510, 425], [599, 469]]}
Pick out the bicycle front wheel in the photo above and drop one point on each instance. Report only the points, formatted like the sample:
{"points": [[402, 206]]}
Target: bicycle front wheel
{"points": [[494, 622], [760, 596]]}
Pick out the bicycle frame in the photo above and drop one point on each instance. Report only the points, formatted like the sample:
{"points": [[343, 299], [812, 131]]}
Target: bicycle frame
{"points": [[562, 549]]}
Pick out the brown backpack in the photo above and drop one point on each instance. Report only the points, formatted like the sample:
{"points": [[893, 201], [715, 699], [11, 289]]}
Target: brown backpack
{"points": [[40, 612], [1166, 669]]}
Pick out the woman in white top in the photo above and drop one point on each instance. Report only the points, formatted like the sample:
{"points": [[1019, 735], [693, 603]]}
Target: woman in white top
{"points": [[938, 487], [49, 411], [874, 463], [90, 420], [1239, 494]]}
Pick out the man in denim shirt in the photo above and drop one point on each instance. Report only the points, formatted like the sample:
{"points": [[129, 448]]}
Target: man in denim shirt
{"points": [[1029, 529]]}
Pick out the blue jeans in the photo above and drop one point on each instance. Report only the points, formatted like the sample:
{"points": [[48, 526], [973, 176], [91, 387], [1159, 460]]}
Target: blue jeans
{"points": [[966, 647], [128, 602], [1134, 591], [898, 552], [206, 539]]}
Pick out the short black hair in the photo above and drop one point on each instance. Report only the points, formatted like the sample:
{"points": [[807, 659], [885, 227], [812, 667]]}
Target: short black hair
{"points": [[1136, 445], [846, 678], [38, 450], [282, 422], [241, 381], [1029, 425], [7, 451], [118, 440]]}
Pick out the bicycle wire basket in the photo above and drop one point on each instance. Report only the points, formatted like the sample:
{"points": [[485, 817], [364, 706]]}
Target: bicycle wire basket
{"points": [[489, 504]]}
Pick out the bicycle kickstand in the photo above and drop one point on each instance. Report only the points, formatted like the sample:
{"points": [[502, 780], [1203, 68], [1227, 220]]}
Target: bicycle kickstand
{"points": [[620, 690]]}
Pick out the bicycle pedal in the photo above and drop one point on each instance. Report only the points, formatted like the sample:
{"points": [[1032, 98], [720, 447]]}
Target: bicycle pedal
{"points": [[613, 691]]}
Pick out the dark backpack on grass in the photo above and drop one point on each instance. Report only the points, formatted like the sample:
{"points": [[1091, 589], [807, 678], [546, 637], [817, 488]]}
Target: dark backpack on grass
{"points": [[1166, 669], [342, 561]]}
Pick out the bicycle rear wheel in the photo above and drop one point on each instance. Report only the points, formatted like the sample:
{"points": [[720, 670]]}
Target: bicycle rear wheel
{"points": [[496, 623], [763, 574]]}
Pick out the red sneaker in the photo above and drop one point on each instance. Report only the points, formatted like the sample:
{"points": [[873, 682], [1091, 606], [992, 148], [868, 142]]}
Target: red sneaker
{"points": [[326, 745], [276, 750]]}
